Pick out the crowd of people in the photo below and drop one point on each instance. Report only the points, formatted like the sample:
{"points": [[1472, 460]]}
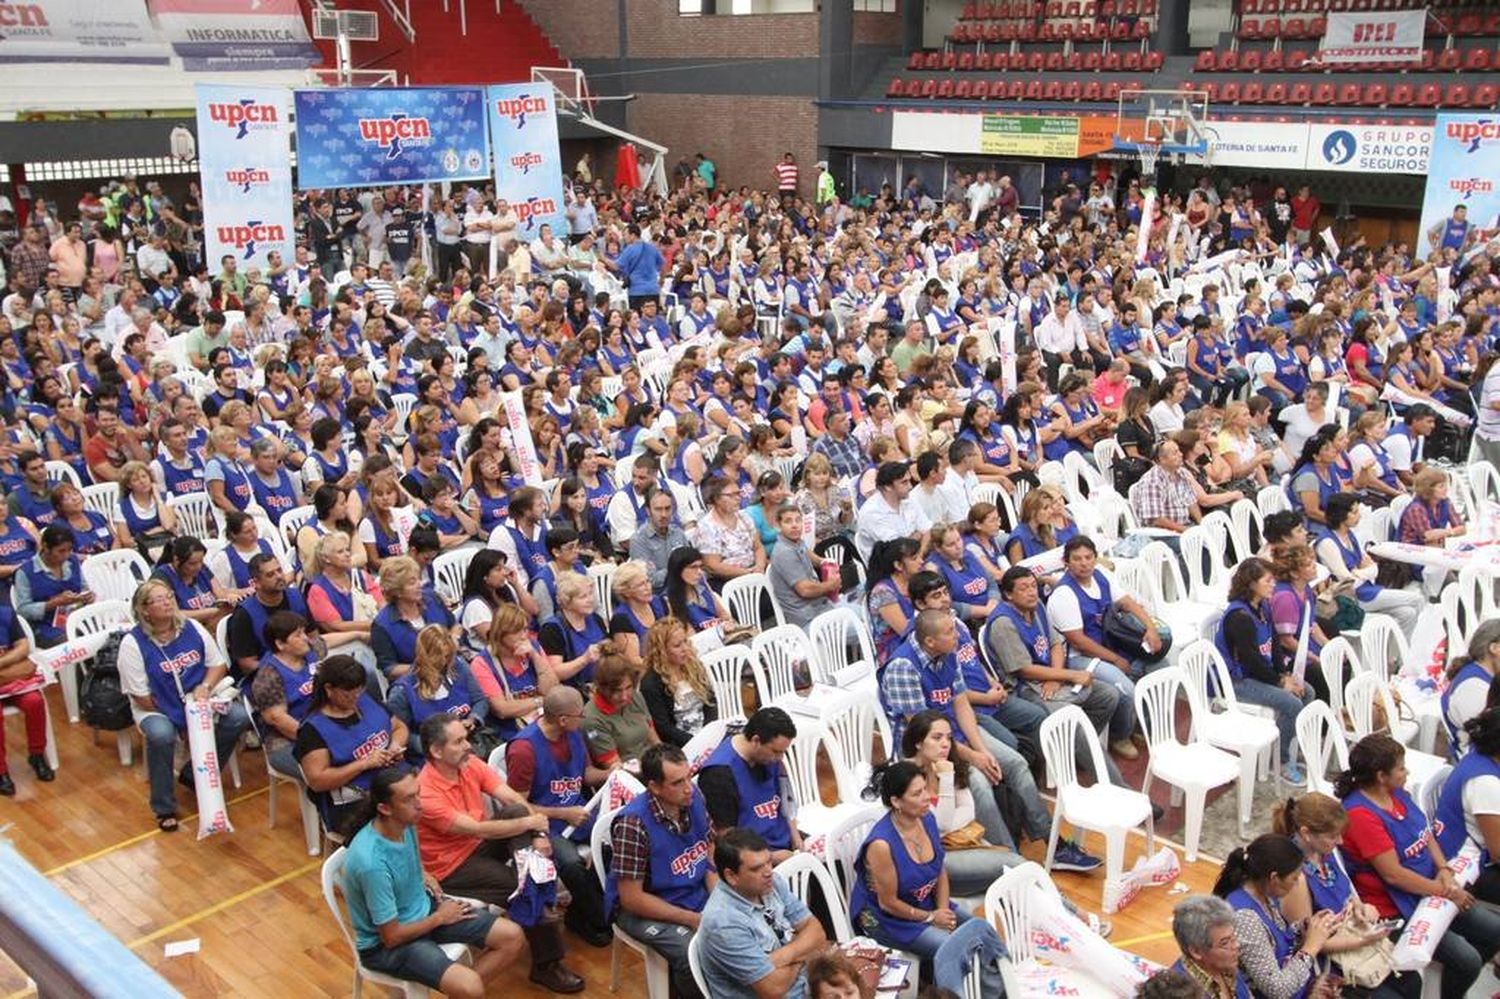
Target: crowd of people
{"points": [[862, 400]]}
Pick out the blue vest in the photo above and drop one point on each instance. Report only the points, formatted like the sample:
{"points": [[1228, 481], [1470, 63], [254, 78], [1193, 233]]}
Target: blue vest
{"points": [[1283, 937], [1455, 235], [332, 471], [1470, 670], [1092, 608], [173, 670], [1241, 990], [532, 554], [181, 481], [760, 798], [259, 613], [937, 684], [275, 500], [677, 873], [916, 884], [45, 586], [192, 594], [1352, 556], [1264, 636], [297, 683], [556, 784], [16, 546], [1329, 885], [1036, 637], [1030, 543], [341, 601], [97, 537], [1289, 371], [137, 524], [370, 733], [388, 544], [239, 565], [967, 581], [492, 510], [1409, 834], [236, 484], [402, 633], [1326, 487], [575, 642], [519, 687], [994, 447], [39, 511], [1448, 824], [458, 701]]}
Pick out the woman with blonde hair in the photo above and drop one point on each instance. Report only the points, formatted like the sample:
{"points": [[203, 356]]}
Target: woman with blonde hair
{"points": [[1374, 475], [674, 685], [828, 500], [409, 609], [142, 519], [378, 531], [439, 682], [513, 673], [637, 609], [576, 637], [1245, 457]]}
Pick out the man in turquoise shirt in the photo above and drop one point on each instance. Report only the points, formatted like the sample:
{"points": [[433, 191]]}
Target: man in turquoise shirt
{"points": [[401, 917]]}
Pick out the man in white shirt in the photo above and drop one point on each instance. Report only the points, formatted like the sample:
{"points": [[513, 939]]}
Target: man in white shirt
{"points": [[152, 260], [890, 513], [961, 479], [980, 194], [547, 253], [478, 220], [926, 495], [1060, 338], [1405, 445]]}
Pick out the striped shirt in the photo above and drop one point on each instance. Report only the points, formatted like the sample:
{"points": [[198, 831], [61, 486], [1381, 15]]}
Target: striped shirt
{"points": [[786, 176]]}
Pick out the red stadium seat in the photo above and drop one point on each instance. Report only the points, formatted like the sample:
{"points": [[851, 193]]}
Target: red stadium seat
{"points": [[1272, 61], [1374, 95], [1229, 61], [1249, 6], [1017, 62], [1075, 62], [915, 62], [1054, 8], [1065, 31], [1148, 8], [1132, 62], [966, 61], [1301, 94], [1429, 61], [1324, 93], [933, 60], [1093, 61], [1449, 60], [1034, 90], [1296, 59], [1230, 93], [1276, 93], [1348, 94], [1120, 31], [1249, 27], [1055, 62], [1468, 24], [1402, 96], [1476, 60], [1270, 6], [1072, 90], [1491, 25], [1092, 91], [1017, 90], [980, 91], [1253, 93], [1154, 61], [1211, 91], [1112, 62], [1456, 96], [950, 60], [964, 91], [1090, 9], [1088, 31], [1250, 61], [1292, 7], [1294, 28], [985, 61], [1430, 96], [1141, 30], [1129, 8], [1314, 6], [1035, 61], [929, 88], [894, 89], [1107, 8], [1486, 95], [1048, 33], [1074, 9], [1316, 27], [970, 12], [913, 88], [1052, 91], [1111, 92], [1361, 5]]}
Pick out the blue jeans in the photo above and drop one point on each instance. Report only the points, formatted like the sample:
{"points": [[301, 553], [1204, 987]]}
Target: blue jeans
{"points": [[1015, 717], [947, 953], [161, 737], [1015, 774], [1286, 704], [1471, 940], [1122, 722]]}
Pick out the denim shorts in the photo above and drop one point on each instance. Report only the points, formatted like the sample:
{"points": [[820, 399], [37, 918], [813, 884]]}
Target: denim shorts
{"points": [[423, 960]]}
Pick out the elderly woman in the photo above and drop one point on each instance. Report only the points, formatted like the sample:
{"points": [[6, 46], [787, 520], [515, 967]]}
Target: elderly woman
{"points": [[616, 723], [346, 736], [164, 661], [674, 685], [726, 536], [439, 683], [901, 895], [1204, 928], [576, 637], [409, 608], [1430, 519], [636, 610]]}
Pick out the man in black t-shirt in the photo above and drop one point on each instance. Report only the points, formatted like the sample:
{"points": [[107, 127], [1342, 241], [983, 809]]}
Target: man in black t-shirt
{"points": [[400, 236]]}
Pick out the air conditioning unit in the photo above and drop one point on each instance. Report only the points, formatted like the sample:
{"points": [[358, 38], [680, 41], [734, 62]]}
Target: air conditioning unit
{"points": [[358, 25]]}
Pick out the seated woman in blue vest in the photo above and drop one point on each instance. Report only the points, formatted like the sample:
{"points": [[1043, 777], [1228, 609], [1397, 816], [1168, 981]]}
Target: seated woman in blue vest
{"points": [[563, 556], [1342, 553], [409, 608], [901, 895], [636, 610], [142, 518], [1316, 823], [224, 477], [1469, 807], [512, 673], [19, 538], [330, 513], [1076, 418], [378, 531], [199, 596], [341, 598], [974, 593], [165, 660], [1315, 480], [1293, 607], [1395, 860], [1471, 685], [1278, 957], [49, 585], [1279, 373], [1374, 474], [275, 490], [91, 532], [1039, 530], [281, 691], [440, 682], [1203, 926], [230, 565], [1000, 459], [576, 636], [490, 582], [346, 736], [1246, 642], [689, 597]]}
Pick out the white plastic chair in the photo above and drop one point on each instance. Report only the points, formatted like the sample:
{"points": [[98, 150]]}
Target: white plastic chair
{"points": [[1484, 482], [1106, 453], [1009, 904], [704, 742], [726, 669], [103, 499], [1476, 595], [90, 625], [403, 403], [848, 733], [833, 633], [1271, 499], [1339, 663], [1382, 646], [776, 653], [59, 472], [1193, 767], [841, 848], [743, 596], [292, 522], [333, 869], [1200, 544], [1187, 617], [1103, 807], [1320, 740], [312, 826], [695, 963], [197, 516], [1431, 790], [658, 976], [448, 571], [1250, 737], [602, 575], [800, 765], [114, 575], [1359, 702]]}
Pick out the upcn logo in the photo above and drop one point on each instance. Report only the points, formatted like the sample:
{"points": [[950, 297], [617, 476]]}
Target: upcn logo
{"points": [[535, 208], [525, 161], [517, 108], [1467, 187], [245, 237], [396, 133], [247, 178], [1473, 134], [23, 15], [244, 115]]}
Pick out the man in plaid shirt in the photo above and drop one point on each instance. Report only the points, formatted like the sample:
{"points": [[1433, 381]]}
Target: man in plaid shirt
{"points": [[1166, 496]]}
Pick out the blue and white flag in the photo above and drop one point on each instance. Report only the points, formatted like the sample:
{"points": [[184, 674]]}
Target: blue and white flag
{"points": [[528, 161], [375, 136], [244, 159]]}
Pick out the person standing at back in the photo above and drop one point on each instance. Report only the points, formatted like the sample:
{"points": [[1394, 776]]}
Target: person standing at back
{"points": [[639, 264]]}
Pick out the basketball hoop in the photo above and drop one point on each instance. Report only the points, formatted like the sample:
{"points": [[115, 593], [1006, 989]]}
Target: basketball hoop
{"points": [[1148, 151]]}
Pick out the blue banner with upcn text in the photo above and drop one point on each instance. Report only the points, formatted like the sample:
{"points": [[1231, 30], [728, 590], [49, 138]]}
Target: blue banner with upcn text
{"points": [[370, 137]]}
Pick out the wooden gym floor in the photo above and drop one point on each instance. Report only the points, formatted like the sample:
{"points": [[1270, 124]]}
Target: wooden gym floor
{"points": [[253, 898]]}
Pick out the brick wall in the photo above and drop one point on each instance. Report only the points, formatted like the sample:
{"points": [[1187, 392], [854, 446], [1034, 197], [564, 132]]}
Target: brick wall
{"points": [[877, 29], [657, 31], [762, 129], [581, 29]]}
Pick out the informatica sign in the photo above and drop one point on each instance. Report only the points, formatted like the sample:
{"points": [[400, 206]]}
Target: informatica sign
{"points": [[236, 35], [370, 137]]}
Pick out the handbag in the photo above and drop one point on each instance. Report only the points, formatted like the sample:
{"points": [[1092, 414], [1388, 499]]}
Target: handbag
{"points": [[365, 607], [1126, 634], [968, 837]]}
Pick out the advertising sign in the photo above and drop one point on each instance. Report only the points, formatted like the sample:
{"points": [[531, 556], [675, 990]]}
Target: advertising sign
{"points": [[78, 31], [1020, 135], [1253, 144], [1368, 148], [373, 136], [1465, 170], [244, 159], [234, 35], [528, 160], [1373, 36]]}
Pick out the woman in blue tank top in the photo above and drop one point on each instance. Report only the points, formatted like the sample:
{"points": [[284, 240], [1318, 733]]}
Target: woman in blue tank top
{"points": [[199, 596], [1388, 834], [974, 592], [439, 682], [346, 737], [901, 897], [1469, 679], [282, 686]]}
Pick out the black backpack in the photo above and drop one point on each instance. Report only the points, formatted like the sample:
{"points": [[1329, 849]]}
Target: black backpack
{"points": [[101, 702]]}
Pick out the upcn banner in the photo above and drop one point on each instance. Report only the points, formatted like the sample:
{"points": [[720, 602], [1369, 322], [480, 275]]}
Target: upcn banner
{"points": [[244, 160], [78, 31], [372, 136], [234, 35], [1464, 170], [1373, 36], [528, 162]]}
